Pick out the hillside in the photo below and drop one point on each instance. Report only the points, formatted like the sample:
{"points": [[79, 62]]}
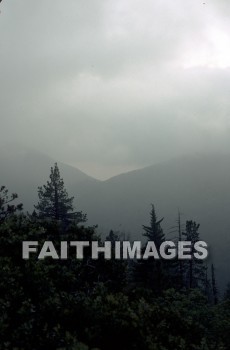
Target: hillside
{"points": [[23, 171], [196, 185]]}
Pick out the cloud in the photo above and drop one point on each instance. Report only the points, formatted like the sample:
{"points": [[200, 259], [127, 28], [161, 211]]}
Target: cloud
{"points": [[115, 85]]}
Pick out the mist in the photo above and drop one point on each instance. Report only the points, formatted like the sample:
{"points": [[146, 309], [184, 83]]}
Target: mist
{"points": [[111, 87]]}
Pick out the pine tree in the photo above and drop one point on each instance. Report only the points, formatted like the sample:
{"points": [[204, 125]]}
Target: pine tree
{"points": [[54, 202], [214, 287], [152, 273], [194, 270], [179, 239], [6, 206], [154, 232]]}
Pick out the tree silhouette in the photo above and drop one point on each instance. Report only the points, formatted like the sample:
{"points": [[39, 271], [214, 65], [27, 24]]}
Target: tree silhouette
{"points": [[214, 287], [54, 202], [154, 232], [152, 273], [6, 208], [194, 270]]}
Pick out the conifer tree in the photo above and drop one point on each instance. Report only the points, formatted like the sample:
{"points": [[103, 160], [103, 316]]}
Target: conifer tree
{"points": [[152, 273], [194, 270], [214, 287], [54, 202], [6, 206], [179, 239], [154, 232]]}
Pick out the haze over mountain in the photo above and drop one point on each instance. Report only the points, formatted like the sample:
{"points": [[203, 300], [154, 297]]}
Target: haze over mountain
{"points": [[108, 86], [23, 170], [198, 186]]}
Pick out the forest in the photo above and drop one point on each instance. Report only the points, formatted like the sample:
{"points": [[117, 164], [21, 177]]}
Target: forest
{"points": [[86, 304]]}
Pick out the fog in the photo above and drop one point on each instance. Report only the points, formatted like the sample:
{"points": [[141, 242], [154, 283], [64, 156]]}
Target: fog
{"points": [[110, 86]]}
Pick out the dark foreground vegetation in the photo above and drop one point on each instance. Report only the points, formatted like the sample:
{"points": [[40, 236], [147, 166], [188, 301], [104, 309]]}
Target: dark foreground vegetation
{"points": [[101, 304]]}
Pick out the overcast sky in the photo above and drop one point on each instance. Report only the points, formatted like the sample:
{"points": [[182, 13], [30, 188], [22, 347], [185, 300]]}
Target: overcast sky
{"points": [[109, 86]]}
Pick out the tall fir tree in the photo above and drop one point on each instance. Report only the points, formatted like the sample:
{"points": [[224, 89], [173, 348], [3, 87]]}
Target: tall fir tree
{"points": [[194, 270], [180, 263], [54, 202], [154, 232], [152, 273]]}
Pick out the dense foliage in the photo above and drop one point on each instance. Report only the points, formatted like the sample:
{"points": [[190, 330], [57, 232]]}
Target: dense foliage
{"points": [[103, 304]]}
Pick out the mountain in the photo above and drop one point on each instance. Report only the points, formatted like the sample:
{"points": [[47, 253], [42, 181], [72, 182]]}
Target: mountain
{"points": [[197, 186], [22, 171]]}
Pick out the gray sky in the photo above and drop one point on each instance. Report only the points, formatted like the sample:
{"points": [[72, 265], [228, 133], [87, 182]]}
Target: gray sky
{"points": [[110, 86]]}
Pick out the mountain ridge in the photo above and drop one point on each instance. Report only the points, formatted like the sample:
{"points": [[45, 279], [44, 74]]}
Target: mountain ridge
{"points": [[196, 185]]}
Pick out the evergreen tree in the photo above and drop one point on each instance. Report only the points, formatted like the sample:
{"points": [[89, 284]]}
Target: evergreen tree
{"points": [[154, 232], [6, 206], [194, 270], [214, 287], [152, 273], [113, 271], [54, 202], [179, 239]]}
